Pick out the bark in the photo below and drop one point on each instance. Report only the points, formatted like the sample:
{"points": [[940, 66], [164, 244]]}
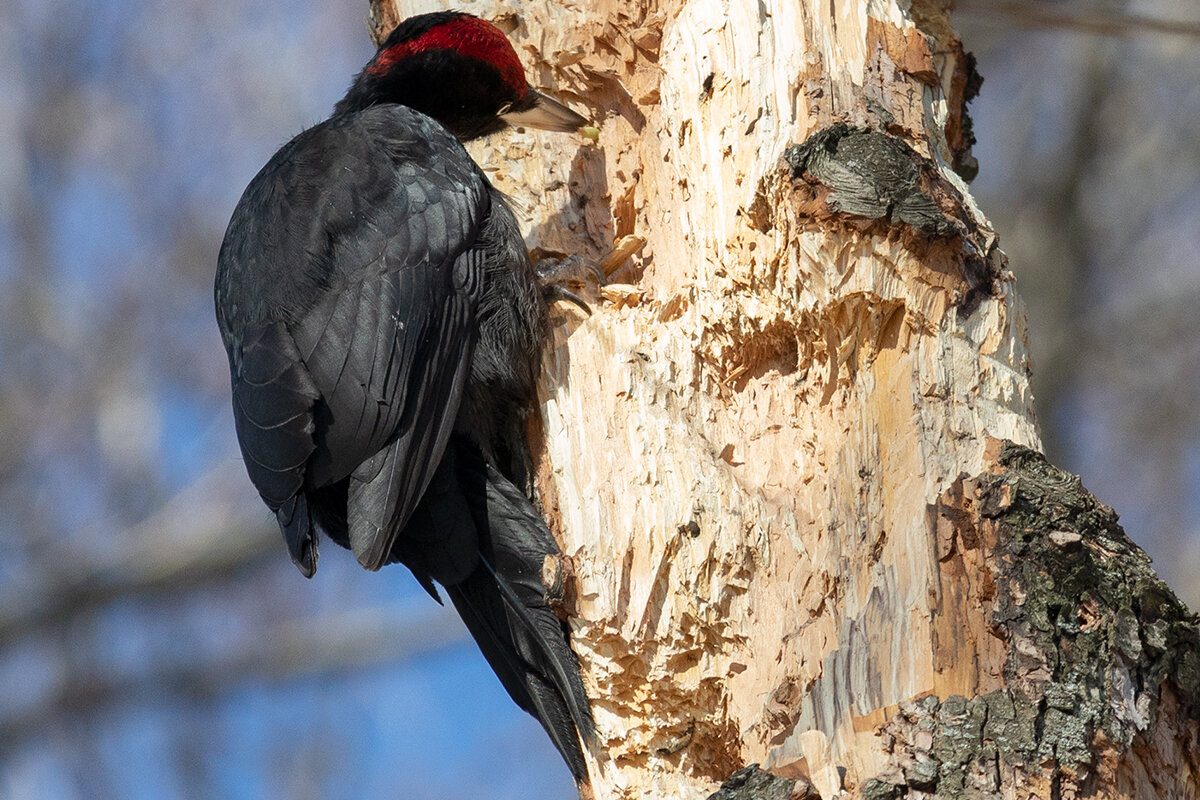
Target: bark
{"points": [[772, 455]]}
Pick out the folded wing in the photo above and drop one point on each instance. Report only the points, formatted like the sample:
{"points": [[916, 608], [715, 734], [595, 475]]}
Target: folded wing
{"points": [[347, 291]]}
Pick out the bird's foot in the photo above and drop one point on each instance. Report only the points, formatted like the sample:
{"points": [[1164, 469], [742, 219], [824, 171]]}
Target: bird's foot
{"points": [[557, 271]]}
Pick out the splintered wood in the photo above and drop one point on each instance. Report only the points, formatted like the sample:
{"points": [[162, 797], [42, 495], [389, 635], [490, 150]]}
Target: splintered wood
{"points": [[743, 445]]}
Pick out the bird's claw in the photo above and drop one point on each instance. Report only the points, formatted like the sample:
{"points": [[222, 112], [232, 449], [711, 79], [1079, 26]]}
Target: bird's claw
{"points": [[555, 292], [553, 271]]}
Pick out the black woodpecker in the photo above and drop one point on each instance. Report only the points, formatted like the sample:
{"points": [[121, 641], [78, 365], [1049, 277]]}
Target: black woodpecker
{"points": [[384, 327]]}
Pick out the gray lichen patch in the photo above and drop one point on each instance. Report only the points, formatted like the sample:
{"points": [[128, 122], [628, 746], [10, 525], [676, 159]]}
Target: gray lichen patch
{"points": [[1111, 629], [1100, 652]]}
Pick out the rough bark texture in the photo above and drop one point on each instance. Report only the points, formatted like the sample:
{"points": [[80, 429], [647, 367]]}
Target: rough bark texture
{"points": [[1096, 664], [753, 453]]}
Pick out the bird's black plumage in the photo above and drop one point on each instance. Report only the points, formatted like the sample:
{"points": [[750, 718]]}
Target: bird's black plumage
{"points": [[383, 325]]}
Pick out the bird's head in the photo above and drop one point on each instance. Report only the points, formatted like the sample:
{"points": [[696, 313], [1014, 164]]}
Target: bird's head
{"points": [[460, 70]]}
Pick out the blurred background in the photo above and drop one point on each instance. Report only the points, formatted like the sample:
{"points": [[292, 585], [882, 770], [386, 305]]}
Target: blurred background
{"points": [[155, 642]]}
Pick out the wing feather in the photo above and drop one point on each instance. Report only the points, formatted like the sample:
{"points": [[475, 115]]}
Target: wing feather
{"points": [[273, 396], [381, 504]]}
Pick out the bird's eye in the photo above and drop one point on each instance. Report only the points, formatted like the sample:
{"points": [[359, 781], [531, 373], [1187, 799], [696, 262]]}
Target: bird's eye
{"points": [[504, 109]]}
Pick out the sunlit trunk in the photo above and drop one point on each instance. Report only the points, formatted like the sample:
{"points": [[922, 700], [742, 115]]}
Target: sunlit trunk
{"points": [[773, 454]]}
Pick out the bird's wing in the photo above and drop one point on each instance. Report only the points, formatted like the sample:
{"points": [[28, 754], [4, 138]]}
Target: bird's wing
{"points": [[363, 236], [273, 397], [391, 359]]}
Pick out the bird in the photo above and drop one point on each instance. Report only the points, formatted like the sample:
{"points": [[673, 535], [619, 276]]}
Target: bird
{"points": [[384, 325]]}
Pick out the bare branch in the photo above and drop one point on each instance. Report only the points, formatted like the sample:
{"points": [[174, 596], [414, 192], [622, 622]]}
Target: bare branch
{"points": [[201, 535], [1084, 18], [295, 648]]}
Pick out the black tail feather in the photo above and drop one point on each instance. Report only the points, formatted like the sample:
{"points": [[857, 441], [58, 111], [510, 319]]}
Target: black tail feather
{"points": [[504, 606], [478, 603], [545, 631]]}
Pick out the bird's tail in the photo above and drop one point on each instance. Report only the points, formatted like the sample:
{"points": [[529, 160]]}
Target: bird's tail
{"points": [[503, 604]]}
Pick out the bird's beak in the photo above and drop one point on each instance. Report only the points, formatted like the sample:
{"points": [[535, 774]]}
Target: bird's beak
{"points": [[539, 111]]}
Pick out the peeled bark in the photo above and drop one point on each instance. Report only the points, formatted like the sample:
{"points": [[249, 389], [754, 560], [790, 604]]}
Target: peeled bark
{"points": [[772, 455]]}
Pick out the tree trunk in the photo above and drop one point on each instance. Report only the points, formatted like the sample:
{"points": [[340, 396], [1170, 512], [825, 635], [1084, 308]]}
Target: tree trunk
{"points": [[774, 454]]}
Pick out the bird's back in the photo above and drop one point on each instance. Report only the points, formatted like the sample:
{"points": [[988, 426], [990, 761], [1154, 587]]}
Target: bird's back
{"points": [[335, 199]]}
